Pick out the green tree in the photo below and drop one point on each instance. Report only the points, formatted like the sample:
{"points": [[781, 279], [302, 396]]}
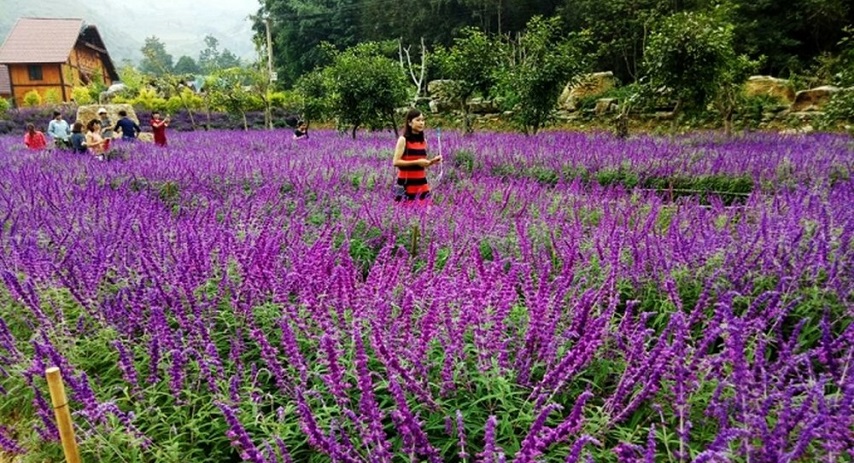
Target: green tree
{"points": [[131, 77], [187, 65], [227, 59], [545, 60], [618, 28], [841, 106], [471, 63], [366, 87], [155, 59], [691, 57], [230, 89], [789, 34], [314, 90], [211, 59], [299, 28], [209, 56]]}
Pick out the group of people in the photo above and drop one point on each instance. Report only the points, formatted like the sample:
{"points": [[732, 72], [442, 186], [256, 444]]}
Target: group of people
{"points": [[410, 154], [99, 133]]}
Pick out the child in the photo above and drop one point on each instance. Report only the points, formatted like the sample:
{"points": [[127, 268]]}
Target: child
{"points": [[78, 140], [410, 157], [34, 139], [158, 126], [94, 140]]}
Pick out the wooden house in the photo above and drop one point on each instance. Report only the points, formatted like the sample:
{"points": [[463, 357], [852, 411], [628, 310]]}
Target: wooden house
{"points": [[52, 56], [5, 84]]}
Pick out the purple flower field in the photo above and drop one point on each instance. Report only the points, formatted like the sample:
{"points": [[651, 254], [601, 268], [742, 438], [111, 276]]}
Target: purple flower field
{"points": [[566, 297]]}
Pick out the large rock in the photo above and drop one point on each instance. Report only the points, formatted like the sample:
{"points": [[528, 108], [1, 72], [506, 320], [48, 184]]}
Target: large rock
{"points": [[439, 89], [481, 106], [605, 105], [589, 85], [779, 89], [440, 106], [813, 99], [86, 113]]}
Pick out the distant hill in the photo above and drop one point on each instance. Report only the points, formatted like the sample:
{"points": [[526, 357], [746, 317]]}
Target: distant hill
{"points": [[124, 26]]}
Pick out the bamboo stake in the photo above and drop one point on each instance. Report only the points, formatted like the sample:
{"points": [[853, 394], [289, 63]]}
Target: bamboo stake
{"points": [[63, 416], [416, 233]]}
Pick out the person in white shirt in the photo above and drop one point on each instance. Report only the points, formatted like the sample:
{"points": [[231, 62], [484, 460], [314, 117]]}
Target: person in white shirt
{"points": [[59, 131]]}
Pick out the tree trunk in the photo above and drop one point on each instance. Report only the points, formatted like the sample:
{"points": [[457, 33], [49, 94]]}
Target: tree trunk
{"points": [[393, 124], [728, 122], [245, 123], [353, 133]]}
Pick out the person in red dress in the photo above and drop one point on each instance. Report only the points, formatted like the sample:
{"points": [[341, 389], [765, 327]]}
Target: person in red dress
{"points": [[410, 158], [34, 139], [158, 126]]}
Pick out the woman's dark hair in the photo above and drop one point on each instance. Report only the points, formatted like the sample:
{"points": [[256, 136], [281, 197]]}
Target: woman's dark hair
{"points": [[91, 125], [31, 128], [77, 127], [123, 113], [411, 114], [56, 113]]}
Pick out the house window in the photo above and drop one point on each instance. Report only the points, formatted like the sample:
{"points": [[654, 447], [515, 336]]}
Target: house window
{"points": [[35, 72]]}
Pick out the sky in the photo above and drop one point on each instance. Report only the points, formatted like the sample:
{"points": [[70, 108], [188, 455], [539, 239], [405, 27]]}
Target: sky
{"points": [[182, 24]]}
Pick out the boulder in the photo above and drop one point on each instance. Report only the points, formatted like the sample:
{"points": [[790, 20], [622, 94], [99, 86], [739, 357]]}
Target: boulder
{"points": [[440, 106], [481, 106], [813, 99], [605, 105], [86, 113], [588, 85], [439, 89], [779, 89], [798, 131]]}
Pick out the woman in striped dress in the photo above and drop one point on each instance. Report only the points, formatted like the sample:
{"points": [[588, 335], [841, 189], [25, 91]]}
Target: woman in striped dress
{"points": [[410, 158]]}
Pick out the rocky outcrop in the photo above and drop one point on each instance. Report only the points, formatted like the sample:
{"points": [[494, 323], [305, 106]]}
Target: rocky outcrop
{"points": [[86, 113], [605, 106], [440, 89], [482, 106], [779, 89], [813, 99], [588, 85]]}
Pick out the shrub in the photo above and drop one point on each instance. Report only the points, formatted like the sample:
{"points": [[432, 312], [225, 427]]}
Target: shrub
{"points": [[52, 96], [81, 95], [840, 109], [4, 105], [32, 99], [148, 99]]}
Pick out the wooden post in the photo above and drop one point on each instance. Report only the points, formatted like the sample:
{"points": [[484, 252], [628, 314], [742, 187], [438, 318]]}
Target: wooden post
{"points": [[416, 233], [63, 416]]}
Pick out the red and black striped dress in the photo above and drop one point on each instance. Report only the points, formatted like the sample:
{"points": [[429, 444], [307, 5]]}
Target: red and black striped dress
{"points": [[414, 178]]}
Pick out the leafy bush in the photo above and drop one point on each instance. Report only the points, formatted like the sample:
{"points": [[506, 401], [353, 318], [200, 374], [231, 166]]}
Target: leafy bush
{"points": [[52, 96], [148, 99], [32, 99], [82, 95], [839, 110], [4, 106]]}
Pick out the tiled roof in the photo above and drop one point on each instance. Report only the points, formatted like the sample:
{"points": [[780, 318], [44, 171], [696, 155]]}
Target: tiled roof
{"points": [[40, 40], [5, 83]]}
